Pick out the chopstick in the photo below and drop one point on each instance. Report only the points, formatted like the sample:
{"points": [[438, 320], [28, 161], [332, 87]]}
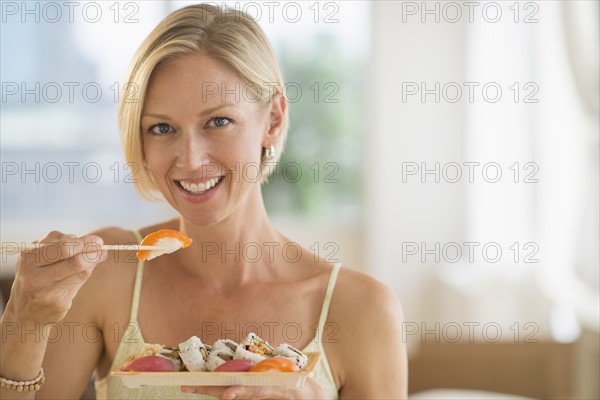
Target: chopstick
{"points": [[14, 248]]}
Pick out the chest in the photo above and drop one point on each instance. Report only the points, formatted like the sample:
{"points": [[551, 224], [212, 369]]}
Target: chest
{"points": [[170, 312]]}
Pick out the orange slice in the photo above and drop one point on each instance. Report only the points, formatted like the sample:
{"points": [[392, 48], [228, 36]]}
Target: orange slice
{"points": [[169, 241]]}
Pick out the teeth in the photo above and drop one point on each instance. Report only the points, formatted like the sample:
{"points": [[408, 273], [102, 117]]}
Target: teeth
{"points": [[199, 187]]}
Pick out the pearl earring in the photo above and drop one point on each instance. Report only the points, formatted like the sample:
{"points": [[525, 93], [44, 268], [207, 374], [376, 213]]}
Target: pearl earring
{"points": [[270, 152]]}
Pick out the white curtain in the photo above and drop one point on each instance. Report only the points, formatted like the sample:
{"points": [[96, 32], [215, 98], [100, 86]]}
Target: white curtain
{"points": [[551, 130]]}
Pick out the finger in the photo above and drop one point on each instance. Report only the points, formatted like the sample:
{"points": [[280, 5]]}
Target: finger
{"points": [[72, 282], [259, 392], [81, 265], [213, 391], [92, 249], [54, 236], [75, 279], [53, 251], [243, 392], [53, 268]]}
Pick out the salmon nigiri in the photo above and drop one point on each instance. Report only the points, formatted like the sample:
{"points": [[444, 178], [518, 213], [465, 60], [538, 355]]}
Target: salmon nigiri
{"points": [[169, 241]]}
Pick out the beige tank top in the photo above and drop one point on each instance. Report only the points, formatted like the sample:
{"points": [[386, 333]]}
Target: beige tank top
{"points": [[112, 388]]}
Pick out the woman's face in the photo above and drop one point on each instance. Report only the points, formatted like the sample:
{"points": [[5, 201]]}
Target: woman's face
{"points": [[203, 136]]}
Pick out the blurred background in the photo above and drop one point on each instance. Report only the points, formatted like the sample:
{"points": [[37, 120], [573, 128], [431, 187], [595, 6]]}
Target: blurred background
{"points": [[450, 149]]}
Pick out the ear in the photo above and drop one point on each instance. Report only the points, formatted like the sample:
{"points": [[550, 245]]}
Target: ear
{"points": [[278, 106]]}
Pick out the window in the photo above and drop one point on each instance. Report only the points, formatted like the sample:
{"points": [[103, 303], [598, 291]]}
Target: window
{"points": [[62, 65]]}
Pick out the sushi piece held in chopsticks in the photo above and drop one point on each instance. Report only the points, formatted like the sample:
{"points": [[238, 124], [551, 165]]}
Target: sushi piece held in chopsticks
{"points": [[168, 240]]}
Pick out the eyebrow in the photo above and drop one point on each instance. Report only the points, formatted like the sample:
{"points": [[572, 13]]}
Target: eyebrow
{"points": [[205, 112]]}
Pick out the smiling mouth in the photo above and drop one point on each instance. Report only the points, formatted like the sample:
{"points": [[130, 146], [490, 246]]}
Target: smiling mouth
{"points": [[199, 188]]}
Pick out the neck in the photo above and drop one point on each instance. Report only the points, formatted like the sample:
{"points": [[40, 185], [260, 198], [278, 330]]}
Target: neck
{"points": [[242, 248]]}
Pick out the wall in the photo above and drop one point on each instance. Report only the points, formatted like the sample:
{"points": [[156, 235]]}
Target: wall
{"points": [[410, 131]]}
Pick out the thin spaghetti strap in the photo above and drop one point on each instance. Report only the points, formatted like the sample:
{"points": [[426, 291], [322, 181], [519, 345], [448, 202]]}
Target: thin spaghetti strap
{"points": [[137, 288], [138, 236], [327, 299]]}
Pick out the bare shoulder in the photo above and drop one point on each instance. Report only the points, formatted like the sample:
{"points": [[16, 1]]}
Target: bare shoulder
{"points": [[118, 271], [369, 322], [357, 291], [115, 235], [116, 259], [115, 275], [364, 308]]}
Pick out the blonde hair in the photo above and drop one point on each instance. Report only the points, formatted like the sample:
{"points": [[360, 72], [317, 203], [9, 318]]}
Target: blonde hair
{"points": [[228, 35]]}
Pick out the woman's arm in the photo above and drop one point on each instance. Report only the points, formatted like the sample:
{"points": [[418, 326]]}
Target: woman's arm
{"points": [[46, 285], [75, 348]]}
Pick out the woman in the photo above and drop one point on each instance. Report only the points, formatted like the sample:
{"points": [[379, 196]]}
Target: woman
{"points": [[203, 107]]}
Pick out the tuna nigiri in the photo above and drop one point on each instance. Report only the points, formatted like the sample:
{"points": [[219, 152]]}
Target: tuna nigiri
{"points": [[168, 240]]}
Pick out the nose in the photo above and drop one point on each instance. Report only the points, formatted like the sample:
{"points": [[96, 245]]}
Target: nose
{"points": [[191, 151]]}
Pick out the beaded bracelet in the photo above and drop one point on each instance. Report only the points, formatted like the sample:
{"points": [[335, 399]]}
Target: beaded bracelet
{"points": [[24, 386]]}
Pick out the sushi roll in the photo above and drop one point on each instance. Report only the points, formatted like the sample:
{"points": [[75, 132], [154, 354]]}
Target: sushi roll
{"points": [[225, 345], [173, 355], [221, 351], [253, 348], [193, 354], [287, 351]]}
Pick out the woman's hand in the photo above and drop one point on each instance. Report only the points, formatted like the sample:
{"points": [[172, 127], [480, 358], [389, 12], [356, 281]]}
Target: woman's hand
{"points": [[48, 278], [310, 390]]}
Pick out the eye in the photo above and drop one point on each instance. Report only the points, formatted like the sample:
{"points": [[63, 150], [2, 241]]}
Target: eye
{"points": [[219, 121], [160, 129]]}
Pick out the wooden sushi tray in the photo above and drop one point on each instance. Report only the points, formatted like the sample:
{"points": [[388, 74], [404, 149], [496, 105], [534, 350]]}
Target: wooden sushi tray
{"points": [[287, 379]]}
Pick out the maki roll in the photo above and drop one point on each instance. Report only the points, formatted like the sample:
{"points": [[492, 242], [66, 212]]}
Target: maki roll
{"points": [[225, 345], [193, 354], [253, 348], [221, 351], [172, 355], [287, 351]]}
